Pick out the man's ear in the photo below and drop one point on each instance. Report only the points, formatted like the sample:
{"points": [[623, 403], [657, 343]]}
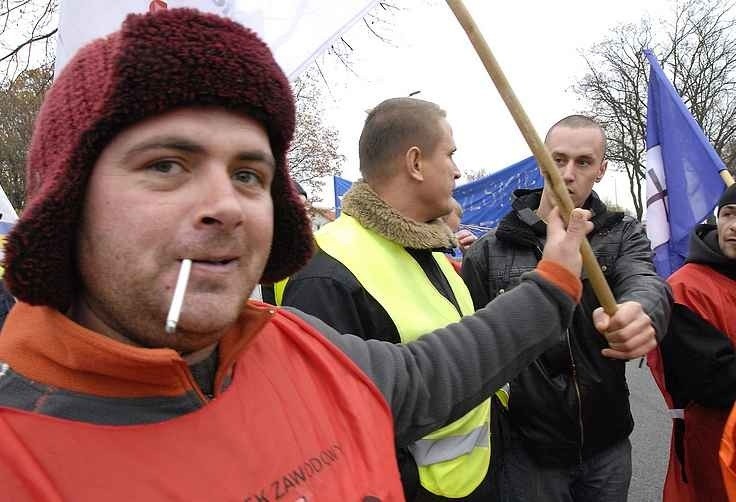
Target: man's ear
{"points": [[413, 163], [601, 170]]}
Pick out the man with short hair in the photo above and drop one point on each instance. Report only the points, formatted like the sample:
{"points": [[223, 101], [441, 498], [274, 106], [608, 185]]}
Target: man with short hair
{"points": [[568, 420], [699, 362], [161, 148], [380, 273]]}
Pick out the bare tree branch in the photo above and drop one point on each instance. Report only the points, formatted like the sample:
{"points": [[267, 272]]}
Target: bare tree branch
{"points": [[697, 49]]}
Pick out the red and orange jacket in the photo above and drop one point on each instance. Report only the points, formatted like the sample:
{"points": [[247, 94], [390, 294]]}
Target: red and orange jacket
{"points": [[698, 371]]}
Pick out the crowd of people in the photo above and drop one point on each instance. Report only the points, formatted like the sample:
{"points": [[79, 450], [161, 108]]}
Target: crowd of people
{"points": [[381, 369]]}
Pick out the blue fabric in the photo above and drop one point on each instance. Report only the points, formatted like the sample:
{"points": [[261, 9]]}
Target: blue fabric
{"points": [[484, 201], [692, 184], [341, 187]]}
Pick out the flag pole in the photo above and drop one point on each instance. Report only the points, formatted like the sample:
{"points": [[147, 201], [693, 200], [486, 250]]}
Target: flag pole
{"points": [[548, 168], [726, 177]]}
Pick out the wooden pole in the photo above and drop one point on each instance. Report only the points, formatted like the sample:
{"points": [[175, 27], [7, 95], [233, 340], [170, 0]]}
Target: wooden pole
{"points": [[726, 177], [546, 165]]}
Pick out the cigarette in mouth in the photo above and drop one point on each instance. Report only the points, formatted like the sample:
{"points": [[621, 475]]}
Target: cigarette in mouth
{"points": [[178, 300]]}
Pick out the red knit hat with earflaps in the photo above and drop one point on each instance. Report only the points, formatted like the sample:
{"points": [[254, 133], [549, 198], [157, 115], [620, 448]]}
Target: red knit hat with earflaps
{"points": [[156, 62]]}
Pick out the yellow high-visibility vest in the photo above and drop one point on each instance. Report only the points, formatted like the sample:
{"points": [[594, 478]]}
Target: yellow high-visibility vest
{"points": [[278, 290], [453, 460]]}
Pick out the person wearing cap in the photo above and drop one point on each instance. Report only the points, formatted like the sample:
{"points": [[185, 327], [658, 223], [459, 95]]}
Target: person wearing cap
{"points": [[161, 148], [698, 359]]}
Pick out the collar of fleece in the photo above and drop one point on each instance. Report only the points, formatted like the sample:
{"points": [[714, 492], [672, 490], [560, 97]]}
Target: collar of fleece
{"points": [[364, 204]]}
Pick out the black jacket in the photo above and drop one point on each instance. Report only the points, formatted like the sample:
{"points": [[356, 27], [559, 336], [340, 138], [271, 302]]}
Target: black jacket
{"points": [[572, 402]]}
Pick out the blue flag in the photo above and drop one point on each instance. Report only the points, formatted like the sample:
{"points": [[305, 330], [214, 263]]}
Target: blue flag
{"points": [[683, 180], [486, 200], [341, 187]]}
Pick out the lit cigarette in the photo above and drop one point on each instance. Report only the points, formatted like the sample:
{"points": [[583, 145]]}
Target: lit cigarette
{"points": [[178, 300]]}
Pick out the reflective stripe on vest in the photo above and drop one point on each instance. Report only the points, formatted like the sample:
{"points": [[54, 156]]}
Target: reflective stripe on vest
{"points": [[398, 283], [432, 451]]}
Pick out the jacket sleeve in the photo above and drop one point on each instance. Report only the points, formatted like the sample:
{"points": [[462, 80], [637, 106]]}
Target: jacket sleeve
{"points": [[634, 277], [699, 361], [474, 272], [327, 299], [441, 376]]}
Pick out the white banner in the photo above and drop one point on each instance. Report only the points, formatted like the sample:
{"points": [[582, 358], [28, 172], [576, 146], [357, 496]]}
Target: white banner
{"points": [[7, 212], [296, 30]]}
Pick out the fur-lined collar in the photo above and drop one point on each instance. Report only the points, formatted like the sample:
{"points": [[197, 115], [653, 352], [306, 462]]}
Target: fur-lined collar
{"points": [[363, 204]]}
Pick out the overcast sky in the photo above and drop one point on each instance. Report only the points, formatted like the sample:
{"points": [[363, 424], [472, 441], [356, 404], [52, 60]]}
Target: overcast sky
{"points": [[537, 44]]}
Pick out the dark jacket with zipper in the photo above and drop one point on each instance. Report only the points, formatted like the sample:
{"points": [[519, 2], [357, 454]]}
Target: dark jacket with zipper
{"points": [[572, 402]]}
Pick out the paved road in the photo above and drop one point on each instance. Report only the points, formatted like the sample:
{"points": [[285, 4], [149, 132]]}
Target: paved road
{"points": [[651, 436]]}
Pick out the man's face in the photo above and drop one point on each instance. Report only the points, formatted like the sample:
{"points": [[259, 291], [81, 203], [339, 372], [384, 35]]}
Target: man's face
{"points": [[192, 183], [440, 173], [578, 154], [727, 230]]}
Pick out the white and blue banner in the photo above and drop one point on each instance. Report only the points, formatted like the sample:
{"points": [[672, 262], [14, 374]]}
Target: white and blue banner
{"points": [[683, 180], [8, 217], [296, 30], [486, 200]]}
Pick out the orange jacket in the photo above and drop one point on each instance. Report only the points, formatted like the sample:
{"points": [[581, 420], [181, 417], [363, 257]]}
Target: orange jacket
{"points": [[728, 456], [314, 402]]}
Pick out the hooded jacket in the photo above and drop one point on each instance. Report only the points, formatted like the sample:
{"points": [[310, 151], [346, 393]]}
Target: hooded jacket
{"points": [[572, 402], [697, 371]]}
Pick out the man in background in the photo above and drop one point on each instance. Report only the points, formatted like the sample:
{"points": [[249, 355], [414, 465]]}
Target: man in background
{"points": [[568, 420]]}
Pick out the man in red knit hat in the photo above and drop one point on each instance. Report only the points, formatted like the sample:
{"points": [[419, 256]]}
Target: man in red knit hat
{"points": [[133, 366]]}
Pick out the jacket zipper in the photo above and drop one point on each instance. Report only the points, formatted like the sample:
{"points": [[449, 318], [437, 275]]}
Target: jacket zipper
{"points": [[577, 392], [192, 383], [575, 383]]}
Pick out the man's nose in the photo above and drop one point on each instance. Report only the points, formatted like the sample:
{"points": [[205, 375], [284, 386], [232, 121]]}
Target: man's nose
{"points": [[456, 172], [219, 200], [568, 171]]}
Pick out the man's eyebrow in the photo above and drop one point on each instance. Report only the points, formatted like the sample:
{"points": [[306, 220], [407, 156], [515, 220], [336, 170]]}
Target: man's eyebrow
{"points": [[258, 156], [185, 145], [167, 143]]}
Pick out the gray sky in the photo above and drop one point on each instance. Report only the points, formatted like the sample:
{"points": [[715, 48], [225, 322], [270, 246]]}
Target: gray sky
{"points": [[537, 44]]}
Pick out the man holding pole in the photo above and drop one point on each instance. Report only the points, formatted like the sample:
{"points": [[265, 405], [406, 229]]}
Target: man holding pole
{"points": [[568, 420]]}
